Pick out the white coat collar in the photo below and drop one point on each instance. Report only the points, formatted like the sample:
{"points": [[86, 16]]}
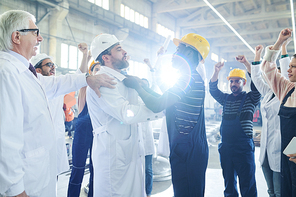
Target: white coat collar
{"points": [[113, 72], [22, 59]]}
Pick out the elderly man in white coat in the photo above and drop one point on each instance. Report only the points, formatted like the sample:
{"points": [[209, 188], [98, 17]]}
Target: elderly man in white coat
{"points": [[27, 141], [118, 153]]}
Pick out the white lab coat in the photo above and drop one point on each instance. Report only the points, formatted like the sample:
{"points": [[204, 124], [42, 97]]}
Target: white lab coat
{"points": [[27, 138], [118, 153], [57, 112], [148, 140], [270, 143]]}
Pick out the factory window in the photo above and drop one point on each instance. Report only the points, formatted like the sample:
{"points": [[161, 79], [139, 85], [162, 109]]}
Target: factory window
{"points": [[214, 57], [133, 16], [64, 55], [102, 3], [161, 30], [138, 69], [70, 56]]}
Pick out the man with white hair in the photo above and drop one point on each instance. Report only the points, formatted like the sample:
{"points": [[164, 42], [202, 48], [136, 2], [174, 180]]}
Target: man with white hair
{"points": [[27, 143]]}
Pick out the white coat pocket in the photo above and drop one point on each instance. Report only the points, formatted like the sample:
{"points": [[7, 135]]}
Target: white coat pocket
{"points": [[37, 172], [124, 151]]}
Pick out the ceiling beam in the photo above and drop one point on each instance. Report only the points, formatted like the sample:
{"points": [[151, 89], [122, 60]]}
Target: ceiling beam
{"points": [[237, 19], [250, 32], [165, 7]]}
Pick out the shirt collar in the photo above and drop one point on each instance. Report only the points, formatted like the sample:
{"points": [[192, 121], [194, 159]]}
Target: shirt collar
{"points": [[22, 59], [113, 72]]}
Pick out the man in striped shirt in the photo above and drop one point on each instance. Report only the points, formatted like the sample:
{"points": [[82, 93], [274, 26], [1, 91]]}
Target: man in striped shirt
{"points": [[237, 147], [184, 105]]}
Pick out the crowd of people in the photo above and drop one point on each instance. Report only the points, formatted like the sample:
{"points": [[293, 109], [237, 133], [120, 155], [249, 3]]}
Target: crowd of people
{"points": [[115, 113]]}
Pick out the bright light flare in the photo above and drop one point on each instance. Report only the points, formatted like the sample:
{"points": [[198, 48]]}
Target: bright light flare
{"points": [[166, 74], [130, 113]]}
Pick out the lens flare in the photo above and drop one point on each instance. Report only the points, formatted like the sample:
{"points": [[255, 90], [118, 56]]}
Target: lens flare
{"points": [[170, 70]]}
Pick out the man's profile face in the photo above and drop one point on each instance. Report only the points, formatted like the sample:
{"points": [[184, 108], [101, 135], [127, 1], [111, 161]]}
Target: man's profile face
{"points": [[47, 68], [177, 60], [119, 58], [236, 84], [30, 41]]}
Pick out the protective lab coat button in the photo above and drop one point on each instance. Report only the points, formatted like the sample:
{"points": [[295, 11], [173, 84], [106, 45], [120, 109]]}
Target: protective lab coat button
{"points": [[148, 118]]}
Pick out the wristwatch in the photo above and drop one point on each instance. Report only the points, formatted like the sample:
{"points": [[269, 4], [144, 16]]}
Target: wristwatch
{"points": [[87, 74]]}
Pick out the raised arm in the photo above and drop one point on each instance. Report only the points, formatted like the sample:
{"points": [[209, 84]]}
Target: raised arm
{"points": [[285, 60], [257, 79], [279, 84], [83, 68], [218, 95]]}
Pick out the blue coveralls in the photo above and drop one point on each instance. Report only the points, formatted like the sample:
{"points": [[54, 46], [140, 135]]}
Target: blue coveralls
{"points": [[188, 151], [82, 142], [237, 157], [288, 131]]}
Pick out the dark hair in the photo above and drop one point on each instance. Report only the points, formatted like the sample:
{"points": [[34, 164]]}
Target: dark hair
{"points": [[294, 56], [106, 52], [93, 66]]}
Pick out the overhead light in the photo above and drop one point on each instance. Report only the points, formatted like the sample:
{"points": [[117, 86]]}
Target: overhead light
{"points": [[293, 23], [234, 31]]}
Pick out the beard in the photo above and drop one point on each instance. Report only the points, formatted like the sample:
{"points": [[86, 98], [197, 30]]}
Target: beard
{"points": [[236, 90], [120, 64]]}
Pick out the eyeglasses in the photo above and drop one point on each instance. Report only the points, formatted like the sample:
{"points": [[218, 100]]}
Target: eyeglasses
{"points": [[36, 31], [49, 64]]}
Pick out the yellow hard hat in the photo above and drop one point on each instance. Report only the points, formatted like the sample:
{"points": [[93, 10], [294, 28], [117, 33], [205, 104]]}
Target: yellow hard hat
{"points": [[237, 73], [92, 64], [197, 42]]}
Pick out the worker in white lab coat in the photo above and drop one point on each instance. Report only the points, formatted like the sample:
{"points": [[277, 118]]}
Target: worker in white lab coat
{"points": [[270, 141], [118, 153], [27, 141]]}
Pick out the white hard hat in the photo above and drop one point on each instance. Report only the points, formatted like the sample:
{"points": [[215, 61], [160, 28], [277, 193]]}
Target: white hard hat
{"points": [[102, 42], [35, 60]]}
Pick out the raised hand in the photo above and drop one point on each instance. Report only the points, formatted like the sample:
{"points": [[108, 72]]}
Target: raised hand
{"points": [[83, 48], [241, 59], [219, 66], [284, 35], [258, 52]]}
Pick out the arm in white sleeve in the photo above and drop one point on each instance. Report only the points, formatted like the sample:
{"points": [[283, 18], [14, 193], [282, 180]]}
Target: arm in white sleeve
{"points": [[11, 135], [279, 84], [261, 86], [64, 84], [284, 64], [114, 104]]}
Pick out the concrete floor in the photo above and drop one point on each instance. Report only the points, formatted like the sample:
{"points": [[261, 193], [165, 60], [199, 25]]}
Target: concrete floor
{"points": [[214, 179]]}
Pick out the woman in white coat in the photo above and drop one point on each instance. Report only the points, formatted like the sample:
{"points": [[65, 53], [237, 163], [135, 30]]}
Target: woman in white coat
{"points": [[270, 145]]}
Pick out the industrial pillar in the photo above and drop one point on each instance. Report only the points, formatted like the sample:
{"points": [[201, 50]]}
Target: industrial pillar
{"points": [[116, 6], [56, 29]]}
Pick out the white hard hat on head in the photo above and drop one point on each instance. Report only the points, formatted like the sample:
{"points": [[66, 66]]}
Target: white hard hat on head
{"points": [[35, 60], [102, 42]]}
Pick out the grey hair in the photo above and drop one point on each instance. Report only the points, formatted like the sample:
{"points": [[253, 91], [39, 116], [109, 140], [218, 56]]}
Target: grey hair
{"points": [[11, 21]]}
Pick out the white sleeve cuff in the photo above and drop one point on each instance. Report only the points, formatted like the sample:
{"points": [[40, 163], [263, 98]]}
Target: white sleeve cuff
{"points": [[271, 55], [78, 71], [16, 189]]}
